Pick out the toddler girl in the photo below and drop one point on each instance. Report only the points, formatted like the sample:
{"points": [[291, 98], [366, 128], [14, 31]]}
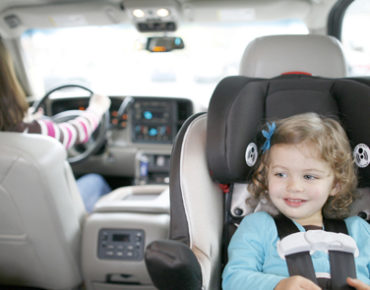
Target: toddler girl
{"points": [[306, 171]]}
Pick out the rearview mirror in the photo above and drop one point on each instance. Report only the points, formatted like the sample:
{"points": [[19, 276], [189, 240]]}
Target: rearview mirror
{"points": [[164, 43]]}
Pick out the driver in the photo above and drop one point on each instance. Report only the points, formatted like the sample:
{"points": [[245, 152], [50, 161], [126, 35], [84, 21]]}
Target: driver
{"points": [[15, 117]]}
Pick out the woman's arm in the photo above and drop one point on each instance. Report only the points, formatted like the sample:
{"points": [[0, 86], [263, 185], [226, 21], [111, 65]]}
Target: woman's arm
{"points": [[74, 131]]}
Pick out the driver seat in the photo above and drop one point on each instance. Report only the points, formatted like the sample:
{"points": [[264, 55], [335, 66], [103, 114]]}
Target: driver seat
{"points": [[41, 214]]}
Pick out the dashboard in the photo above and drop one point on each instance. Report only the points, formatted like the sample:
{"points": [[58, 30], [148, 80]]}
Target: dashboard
{"points": [[149, 119], [158, 121], [140, 128]]}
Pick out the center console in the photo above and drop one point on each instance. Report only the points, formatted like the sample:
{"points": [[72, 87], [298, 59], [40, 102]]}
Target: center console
{"points": [[116, 234]]}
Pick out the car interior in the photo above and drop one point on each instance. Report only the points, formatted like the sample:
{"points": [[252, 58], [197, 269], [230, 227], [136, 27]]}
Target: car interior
{"points": [[197, 78]]}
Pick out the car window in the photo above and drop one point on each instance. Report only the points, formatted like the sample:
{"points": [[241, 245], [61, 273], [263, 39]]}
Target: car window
{"points": [[111, 59], [355, 37]]}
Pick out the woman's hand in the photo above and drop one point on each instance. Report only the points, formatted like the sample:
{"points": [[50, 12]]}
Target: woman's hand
{"points": [[357, 284], [99, 104], [296, 283], [31, 116]]}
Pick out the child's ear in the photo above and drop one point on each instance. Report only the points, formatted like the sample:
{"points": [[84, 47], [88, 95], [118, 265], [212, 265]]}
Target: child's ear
{"points": [[335, 189]]}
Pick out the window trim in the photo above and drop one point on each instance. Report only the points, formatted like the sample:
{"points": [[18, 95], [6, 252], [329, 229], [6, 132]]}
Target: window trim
{"points": [[335, 18]]}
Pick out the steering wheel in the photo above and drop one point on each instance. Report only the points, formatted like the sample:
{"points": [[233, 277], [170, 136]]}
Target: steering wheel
{"points": [[79, 152]]}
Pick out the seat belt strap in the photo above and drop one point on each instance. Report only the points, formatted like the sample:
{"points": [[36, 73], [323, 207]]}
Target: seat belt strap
{"points": [[285, 226], [342, 264], [335, 226], [299, 263]]}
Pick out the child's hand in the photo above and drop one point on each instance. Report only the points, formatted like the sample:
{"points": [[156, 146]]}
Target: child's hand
{"points": [[357, 284], [296, 283]]}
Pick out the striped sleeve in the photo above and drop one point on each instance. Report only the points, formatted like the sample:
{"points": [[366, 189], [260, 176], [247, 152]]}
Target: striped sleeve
{"points": [[69, 133]]}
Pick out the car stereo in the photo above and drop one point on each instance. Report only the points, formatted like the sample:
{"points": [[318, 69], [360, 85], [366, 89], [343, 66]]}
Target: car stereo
{"points": [[154, 120]]}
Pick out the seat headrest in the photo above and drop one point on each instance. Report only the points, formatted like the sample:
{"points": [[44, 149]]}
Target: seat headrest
{"points": [[240, 106], [270, 56]]}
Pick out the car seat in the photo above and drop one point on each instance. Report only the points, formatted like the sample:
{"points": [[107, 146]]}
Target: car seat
{"points": [[41, 214], [210, 151]]}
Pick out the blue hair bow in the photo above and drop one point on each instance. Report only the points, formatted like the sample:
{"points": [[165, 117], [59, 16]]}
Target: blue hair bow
{"points": [[268, 134]]}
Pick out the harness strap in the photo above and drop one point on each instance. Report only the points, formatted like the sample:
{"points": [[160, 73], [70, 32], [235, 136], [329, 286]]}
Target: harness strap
{"points": [[342, 265], [335, 226], [299, 263]]}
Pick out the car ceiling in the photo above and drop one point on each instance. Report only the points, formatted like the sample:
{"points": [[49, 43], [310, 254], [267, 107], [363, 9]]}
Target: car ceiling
{"points": [[18, 15]]}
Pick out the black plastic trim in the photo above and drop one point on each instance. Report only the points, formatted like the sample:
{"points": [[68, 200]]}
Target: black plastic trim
{"points": [[172, 265], [335, 18]]}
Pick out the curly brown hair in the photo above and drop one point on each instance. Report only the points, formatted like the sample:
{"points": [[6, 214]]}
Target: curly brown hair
{"points": [[13, 103], [333, 146]]}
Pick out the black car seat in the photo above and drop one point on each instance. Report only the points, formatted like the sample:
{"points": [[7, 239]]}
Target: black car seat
{"points": [[210, 151]]}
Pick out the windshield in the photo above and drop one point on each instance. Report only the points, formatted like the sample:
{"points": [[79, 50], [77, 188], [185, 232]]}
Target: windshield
{"points": [[112, 59]]}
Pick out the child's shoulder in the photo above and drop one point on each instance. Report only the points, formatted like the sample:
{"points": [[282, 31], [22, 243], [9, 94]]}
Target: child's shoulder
{"points": [[259, 215], [258, 226], [357, 225], [259, 218]]}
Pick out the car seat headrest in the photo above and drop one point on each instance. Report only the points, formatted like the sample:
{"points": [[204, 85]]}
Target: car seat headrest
{"points": [[272, 55], [240, 106]]}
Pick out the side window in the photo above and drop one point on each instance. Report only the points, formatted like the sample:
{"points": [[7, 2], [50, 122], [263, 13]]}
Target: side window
{"points": [[355, 37]]}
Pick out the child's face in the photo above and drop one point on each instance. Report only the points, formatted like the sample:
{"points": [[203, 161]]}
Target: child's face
{"points": [[299, 182]]}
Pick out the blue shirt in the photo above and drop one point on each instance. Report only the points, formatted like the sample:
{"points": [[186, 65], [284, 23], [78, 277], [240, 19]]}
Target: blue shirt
{"points": [[255, 264]]}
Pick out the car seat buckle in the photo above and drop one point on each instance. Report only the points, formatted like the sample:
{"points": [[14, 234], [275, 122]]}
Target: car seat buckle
{"points": [[316, 240]]}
